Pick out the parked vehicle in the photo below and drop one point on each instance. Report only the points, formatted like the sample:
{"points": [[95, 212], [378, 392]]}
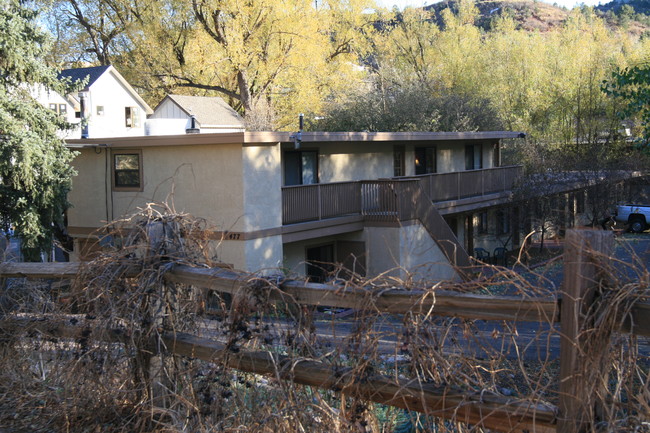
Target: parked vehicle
{"points": [[636, 216]]}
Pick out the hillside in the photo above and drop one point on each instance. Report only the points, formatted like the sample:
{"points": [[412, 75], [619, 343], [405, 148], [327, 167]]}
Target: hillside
{"points": [[539, 16]]}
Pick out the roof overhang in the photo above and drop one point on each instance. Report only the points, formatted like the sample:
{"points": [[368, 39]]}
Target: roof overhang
{"points": [[263, 138]]}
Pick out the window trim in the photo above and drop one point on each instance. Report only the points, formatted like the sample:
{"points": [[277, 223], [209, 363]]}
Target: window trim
{"points": [[114, 153]]}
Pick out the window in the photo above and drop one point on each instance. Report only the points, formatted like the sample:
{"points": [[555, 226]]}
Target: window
{"points": [[425, 160], [320, 262], [59, 108], [100, 110], [398, 161], [496, 155], [473, 156], [482, 222], [127, 171], [300, 167], [580, 202], [132, 117], [503, 221]]}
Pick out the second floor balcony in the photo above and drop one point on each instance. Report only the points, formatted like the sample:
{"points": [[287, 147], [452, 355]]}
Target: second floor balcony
{"points": [[392, 199]]}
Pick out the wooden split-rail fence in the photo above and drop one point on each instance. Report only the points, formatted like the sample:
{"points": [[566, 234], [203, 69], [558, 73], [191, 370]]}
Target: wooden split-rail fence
{"points": [[499, 413]]}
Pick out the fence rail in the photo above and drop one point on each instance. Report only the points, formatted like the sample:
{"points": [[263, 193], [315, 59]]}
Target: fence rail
{"points": [[490, 411]]}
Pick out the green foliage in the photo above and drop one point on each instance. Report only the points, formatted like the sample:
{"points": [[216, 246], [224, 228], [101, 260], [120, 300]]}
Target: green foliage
{"points": [[34, 163], [632, 86]]}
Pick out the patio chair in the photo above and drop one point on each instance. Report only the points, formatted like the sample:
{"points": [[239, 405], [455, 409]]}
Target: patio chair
{"points": [[500, 255], [482, 254]]}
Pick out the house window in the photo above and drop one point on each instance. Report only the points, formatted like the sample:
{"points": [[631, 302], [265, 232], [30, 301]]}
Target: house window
{"points": [[473, 156], [482, 222], [59, 108], [580, 202], [496, 155], [425, 160], [300, 167], [127, 170], [503, 221], [398, 161], [132, 117], [100, 110]]}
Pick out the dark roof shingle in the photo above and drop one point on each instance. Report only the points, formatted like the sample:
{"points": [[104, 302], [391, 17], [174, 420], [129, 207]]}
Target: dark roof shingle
{"points": [[79, 74]]}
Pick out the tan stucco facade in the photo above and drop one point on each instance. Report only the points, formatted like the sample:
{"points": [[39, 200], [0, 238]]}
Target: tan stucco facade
{"points": [[234, 181], [234, 188]]}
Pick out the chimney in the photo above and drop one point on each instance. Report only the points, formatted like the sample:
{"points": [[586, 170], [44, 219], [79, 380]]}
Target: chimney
{"points": [[193, 127], [83, 113]]}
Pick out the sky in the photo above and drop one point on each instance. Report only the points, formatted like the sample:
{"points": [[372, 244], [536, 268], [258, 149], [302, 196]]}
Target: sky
{"points": [[418, 3]]}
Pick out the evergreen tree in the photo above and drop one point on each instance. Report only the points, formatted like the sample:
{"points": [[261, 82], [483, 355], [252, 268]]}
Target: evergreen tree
{"points": [[35, 174]]}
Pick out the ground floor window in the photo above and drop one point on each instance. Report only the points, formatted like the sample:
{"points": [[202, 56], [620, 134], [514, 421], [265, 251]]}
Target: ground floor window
{"points": [[503, 221], [482, 222], [320, 262]]}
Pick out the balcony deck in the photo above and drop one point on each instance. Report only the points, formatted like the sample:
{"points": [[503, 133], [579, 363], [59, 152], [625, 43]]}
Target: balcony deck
{"points": [[379, 200]]}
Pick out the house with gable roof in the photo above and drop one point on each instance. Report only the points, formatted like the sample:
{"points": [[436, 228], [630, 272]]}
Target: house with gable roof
{"points": [[174, 115], [107, 106]]}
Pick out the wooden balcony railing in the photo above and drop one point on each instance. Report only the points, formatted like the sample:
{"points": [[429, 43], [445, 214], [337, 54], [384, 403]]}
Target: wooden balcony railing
{"points": [[319, 201], [392, 199], [471, 183]]}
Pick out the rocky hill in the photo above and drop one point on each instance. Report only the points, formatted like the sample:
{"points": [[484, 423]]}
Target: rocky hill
{"points": [[539, 16]]}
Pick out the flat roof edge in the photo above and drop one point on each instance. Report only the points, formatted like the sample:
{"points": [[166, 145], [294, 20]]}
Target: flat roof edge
{"points": [[269, 138]]}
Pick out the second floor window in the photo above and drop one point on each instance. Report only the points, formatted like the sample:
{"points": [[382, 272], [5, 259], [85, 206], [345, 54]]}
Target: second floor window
{"points": [[300, 167], [399, 155], [473, 156], [425, 160], [132, 117], [59, 108]]}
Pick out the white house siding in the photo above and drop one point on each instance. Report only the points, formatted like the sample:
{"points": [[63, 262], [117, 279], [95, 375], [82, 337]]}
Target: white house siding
{"points": [[108, 92], [168, 109], [46, 97]]}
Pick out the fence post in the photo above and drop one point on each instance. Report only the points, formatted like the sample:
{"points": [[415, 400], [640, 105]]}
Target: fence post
{"points": [[582, 249]]}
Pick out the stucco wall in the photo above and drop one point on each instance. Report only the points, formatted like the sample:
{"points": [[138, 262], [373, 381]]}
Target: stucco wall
{"points": [[234, 188], [340, 162], [406, 251], [88, 195], [421, 256], [345, 161], [204, 181], [262, 187], [293, 261]]}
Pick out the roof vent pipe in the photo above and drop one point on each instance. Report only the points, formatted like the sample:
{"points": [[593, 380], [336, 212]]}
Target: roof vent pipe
{"points": [[297, 137], [193, 129], [83, 113]]}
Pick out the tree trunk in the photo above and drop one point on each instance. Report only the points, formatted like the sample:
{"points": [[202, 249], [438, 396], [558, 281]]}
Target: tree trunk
{"points": [[244, 91]]}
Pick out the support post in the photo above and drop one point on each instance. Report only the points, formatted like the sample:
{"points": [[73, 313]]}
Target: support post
{"points": [[582, 251]]}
